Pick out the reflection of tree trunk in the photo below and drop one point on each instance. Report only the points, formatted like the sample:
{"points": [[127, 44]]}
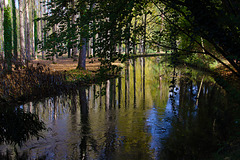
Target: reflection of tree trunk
{"points": [[143, 77], [107, 94], [134, 82], [126, 83], [199, 91], [83, 100], [119, 91], [112, 92], [110, 134], [84, 123], [160, 82], [94, 96], [54, 108], [100, 96], [73, 103]]}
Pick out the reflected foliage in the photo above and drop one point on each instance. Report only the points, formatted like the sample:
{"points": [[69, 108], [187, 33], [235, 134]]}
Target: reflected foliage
{"points": [[151, 112], [17, 126], [202, 123]]}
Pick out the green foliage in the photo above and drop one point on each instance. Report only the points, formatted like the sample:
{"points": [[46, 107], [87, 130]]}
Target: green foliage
{"points": [[204, 27], [17, 126], [110, 20], [8, 38]]}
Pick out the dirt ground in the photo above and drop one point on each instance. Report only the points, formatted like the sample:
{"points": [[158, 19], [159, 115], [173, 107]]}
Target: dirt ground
{"points": [[63, 64]]}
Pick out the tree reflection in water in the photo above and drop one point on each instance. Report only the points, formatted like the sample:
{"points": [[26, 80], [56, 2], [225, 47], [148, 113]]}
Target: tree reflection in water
{"points": [[199, 125], [136, 116], [18, 126]]}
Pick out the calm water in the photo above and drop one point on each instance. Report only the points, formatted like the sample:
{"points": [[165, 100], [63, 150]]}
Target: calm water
{"points": [[151, 112]]}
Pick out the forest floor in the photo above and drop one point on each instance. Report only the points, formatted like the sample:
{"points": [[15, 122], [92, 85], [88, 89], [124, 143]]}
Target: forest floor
{"points": [[66, 64]]}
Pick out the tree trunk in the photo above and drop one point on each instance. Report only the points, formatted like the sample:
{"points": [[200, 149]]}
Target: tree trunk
{"points": [[15, 45], [145, 34], [42, 32], [27, 27], [135, 38], [35, 33], [21, 32], [75, 48], [54, 30], [33, 30], [2, 19], [54, 58], [82, 55]]}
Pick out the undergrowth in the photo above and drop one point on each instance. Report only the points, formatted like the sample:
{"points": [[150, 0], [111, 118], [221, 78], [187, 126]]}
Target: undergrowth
{"points": [[37, 82]]}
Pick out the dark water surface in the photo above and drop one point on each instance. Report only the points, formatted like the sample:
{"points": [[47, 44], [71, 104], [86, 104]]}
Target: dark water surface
{"points": [[151, 112]]}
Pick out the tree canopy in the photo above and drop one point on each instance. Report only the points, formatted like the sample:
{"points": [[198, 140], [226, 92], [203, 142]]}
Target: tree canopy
{"points": [[202, 29]]}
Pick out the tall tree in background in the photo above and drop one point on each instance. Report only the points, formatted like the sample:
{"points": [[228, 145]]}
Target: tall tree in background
{"points": [[110, 20], [27, 31], [8, 38], [1, 27], [33, 28], [42, 24], [21, 31], [35, 33], [15, 40]]}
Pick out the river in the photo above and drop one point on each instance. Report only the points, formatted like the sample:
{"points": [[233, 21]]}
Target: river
{"points": [[153, 111]]}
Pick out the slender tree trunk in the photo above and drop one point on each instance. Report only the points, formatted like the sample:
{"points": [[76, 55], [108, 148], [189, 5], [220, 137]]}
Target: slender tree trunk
{"points": [[135, 38], [35, 33], [2, 19], [82, 55], [54, 29], [14, 30], [75, 48], [145, 33], [21, 31], [27, 32], [54, 58], [42, 32], [33, 30]]}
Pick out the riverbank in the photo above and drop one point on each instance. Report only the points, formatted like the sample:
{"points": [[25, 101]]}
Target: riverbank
{"points": [[43, 78]]}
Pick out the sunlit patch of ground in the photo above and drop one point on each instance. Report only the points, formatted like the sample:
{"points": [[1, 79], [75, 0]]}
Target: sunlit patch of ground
{"points": [[66, 64]]}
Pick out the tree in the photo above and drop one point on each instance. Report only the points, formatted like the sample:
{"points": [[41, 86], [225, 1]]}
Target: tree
{"points": [[14, 18], [21, 31], [27, 30], [8, 37], [213, 21], [1, 37], [35, 33], [106, 18]]}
